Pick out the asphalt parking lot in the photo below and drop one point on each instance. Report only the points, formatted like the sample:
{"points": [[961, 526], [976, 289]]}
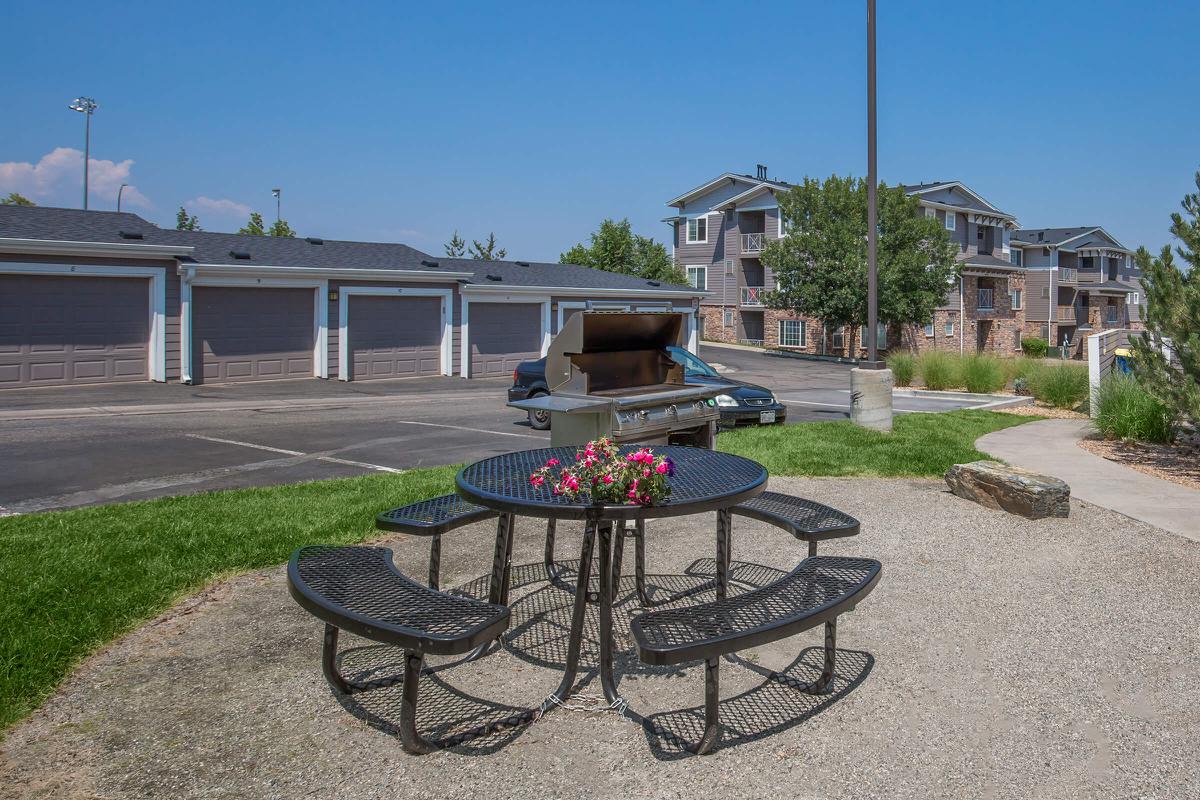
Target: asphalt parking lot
{"points": [[78, 446]]}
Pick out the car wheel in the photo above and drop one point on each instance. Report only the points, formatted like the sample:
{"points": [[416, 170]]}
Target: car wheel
{"points": [[539, 420]]}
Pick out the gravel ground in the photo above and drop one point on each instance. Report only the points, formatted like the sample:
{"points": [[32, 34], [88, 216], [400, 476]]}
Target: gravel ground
{"points": [[998, 657]]}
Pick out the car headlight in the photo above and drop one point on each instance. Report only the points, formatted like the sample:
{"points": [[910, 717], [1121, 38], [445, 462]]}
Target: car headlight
{"points": [[726, 401]]}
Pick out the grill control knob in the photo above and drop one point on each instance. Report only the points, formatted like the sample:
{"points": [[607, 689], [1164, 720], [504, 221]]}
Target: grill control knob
{"points": [[643, 414]]}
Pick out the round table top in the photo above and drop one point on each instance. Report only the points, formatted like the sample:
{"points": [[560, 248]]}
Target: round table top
{"points": [[704, 480]]}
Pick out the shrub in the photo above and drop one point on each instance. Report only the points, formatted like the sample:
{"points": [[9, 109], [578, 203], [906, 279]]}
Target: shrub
{"points": [[982, 373], [902, 365], [1061, 385], [940, 370], [1124, 410], [1035, 348]]}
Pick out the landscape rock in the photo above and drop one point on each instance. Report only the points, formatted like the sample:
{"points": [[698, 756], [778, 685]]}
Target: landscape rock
{"points": [[1010, 489]]}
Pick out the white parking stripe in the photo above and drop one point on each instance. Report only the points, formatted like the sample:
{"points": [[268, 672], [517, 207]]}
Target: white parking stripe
{"points": [[473, 430], [331, 459], [845, 407]]}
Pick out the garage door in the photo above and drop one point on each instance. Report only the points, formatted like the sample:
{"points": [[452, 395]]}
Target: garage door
{"points": [[67, 330], [241, 334], [395, 337], [502, 336]]}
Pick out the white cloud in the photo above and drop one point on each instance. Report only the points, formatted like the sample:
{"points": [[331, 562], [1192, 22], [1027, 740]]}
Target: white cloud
{"points": [[220, 207], [57, 178]]}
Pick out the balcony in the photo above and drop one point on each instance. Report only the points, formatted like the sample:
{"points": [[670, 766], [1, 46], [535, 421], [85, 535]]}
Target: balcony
{"points": [[986, 300], [752, 243], [1068, 275], [1066, 314], [753, 296]]}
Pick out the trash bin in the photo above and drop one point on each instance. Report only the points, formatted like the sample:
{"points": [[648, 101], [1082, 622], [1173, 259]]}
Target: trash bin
{"points": [[1122, 357]]}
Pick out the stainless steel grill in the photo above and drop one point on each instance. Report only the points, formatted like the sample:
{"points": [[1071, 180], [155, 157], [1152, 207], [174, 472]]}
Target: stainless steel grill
{"points": [[610, 374]]}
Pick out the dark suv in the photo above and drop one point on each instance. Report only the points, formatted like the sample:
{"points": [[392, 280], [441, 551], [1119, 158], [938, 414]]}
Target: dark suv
{"points": [[745, 403]]}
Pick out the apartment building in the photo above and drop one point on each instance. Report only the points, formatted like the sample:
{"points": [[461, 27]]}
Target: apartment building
{"points": [[721, 227], [1080, 280]]}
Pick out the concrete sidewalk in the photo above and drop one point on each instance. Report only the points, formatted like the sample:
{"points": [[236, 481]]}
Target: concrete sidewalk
{"points": [[1051, 447]]}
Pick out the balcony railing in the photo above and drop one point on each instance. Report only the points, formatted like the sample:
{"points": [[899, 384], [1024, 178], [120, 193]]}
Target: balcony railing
{"points": [[1068, 275], [986, 300], [753, 295], [1066, 313], [753, 242]]}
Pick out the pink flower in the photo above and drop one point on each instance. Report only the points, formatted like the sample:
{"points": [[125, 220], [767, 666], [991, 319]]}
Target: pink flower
{"points": [[552, 462], [645, 473], [661, 469], [537, 480], [607, 479]]}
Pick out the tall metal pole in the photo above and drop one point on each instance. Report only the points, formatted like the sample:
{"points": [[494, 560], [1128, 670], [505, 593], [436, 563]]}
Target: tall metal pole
{"points": [[872, 211], [87, 154], [277, 193]]}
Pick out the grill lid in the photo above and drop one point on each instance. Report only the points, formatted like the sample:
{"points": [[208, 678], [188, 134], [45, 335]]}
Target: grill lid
{"points": [[607, 350]]}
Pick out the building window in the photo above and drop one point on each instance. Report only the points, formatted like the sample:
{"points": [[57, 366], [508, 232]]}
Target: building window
{"points": [[881, 335], [727, 318], [783, 224], [1014, 256], [929, 329], [1045, 292], [793, 333], [1046, 331], [697, 230], [1133, 299], [1112, 313], [698, 276], [948, 329], [729, 266], [950, 215], [837, 337], [1016, 299], [931, 212]]}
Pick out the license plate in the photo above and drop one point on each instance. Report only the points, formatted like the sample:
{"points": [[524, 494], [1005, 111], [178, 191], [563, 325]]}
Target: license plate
{"points": [[766, 416]]}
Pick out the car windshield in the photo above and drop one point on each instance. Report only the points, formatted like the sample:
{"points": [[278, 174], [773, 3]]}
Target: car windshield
{"points": [[692, 365]]}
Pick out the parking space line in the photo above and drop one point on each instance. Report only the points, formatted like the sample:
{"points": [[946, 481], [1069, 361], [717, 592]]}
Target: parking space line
{"points": [[843, 406], [331, 459], [472, 430]]}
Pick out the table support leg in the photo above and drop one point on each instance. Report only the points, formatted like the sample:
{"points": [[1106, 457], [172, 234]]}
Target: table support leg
{"points": [[724, 535], [501, 558], [607, 680], [578, 618]]}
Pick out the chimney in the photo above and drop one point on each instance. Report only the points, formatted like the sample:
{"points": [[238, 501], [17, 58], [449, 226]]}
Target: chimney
{"points": [[762, 172]]}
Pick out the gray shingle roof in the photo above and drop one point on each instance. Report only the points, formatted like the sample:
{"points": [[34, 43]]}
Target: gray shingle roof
{"points": [[1107, 286], [41, 222], [986, 260], [1050, 235]]}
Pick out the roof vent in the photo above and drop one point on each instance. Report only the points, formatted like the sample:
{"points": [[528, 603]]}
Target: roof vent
{"points": [[314, 240], [425, 262], [654, 283], [240, 255], [762, 172], [130, 235], [521, 263], [494, 278]]}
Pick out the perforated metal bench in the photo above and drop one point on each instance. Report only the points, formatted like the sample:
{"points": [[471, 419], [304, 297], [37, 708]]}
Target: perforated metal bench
{"points": [[817, 591], [807, 520], [359, 589], [432, 518]]}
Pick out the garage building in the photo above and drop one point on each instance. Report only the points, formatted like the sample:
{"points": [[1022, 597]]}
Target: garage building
{"points": [[101, 297]]}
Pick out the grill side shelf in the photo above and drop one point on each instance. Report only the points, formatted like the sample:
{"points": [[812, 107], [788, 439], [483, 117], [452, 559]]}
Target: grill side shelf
{"points": [[563, 404]]}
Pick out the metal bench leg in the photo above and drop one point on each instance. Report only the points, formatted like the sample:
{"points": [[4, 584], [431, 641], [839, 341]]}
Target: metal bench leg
{"points": [[822, 684], [412, 741], [335, 677], [812, 547], [712, 702], [435, 560]]}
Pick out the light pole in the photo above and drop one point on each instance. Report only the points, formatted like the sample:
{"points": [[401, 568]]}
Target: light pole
{"points": [[119, 191], [276, 193], [86, 106], [871, 381]]}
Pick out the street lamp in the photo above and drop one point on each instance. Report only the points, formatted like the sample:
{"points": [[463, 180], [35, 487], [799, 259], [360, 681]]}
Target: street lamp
{"points": [[86, 106], [119, 191]]}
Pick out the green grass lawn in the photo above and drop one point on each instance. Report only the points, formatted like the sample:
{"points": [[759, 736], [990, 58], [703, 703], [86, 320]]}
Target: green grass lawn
{"points": [[72, 581], [921, 445]]}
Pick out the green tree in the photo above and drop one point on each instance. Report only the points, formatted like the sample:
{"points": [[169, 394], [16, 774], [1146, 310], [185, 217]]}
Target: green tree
{"points": [[281, 228], [487, 251], [1172, 317], [456, 247], [16, 199], [820, 267], [255, 226], [184, 222], [615, 248]]}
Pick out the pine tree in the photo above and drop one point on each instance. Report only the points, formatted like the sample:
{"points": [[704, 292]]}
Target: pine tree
{"points": [[487, 251], [16, 199], [255, 226], [1172, 317], [456, 247], [184, 222]]}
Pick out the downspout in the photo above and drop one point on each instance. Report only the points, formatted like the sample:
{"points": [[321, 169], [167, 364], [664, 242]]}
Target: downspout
{"points": [[962, 313]]}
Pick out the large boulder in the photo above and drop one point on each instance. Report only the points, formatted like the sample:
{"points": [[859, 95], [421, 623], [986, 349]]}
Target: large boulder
{"points": [[1010, 489]]}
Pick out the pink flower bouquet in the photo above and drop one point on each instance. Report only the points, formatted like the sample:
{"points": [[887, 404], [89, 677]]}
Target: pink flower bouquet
{"points": [[603, 475]]}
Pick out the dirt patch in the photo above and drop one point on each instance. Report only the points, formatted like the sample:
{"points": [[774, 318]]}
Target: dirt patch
{"points": [[1036, 409], [1178, 464]]}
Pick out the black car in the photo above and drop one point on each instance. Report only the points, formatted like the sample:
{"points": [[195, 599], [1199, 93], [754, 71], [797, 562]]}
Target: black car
{"points": [[746, 403]]}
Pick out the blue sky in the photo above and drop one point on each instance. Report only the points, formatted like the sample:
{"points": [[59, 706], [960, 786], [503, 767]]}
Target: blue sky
{"points": [[404, 122]]}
